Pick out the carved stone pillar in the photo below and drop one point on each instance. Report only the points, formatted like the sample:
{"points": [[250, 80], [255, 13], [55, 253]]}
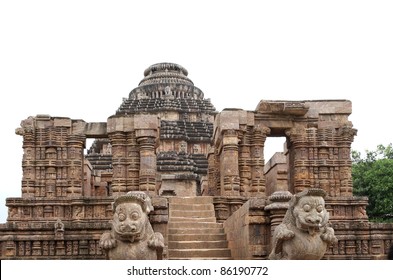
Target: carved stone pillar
{"points": [[301, 175], [278, 207], [221, 209], [213, 174], [29, 156], [133, 162], [245, 161], [258, 139], [320, 158], [133, 140], [75, 146], [148, 164], [229, 164], [118, 142], [346, 134]]}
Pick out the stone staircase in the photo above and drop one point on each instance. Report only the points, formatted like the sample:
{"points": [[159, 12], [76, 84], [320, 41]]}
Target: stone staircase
{"points": [[193, 232]]}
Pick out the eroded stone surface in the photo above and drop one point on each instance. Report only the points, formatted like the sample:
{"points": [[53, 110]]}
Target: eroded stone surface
{"points": [[304, 233], [132, 236]]}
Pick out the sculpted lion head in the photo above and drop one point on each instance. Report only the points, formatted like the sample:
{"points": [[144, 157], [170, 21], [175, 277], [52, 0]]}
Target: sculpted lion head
{"points": [[130, 216], [308, 210], [304, 233]]}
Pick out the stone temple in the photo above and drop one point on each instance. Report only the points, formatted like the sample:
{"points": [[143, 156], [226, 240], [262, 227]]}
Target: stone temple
{"points": [[214, 194]]}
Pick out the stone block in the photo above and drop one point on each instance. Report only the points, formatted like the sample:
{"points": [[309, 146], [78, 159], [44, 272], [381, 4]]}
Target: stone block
{"points": [[230, 140], [257, 203], [96, 129], [243, 117], [146, 121], [229, 119], [255, 220], [43, 123], [128, 124], [78, 127], [328, 107], [146, 133], [120, 124], [296, 108], [159, 202], [64, 122]]}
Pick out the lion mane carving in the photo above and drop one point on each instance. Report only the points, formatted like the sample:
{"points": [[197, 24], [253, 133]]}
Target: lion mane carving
{"points": [[304, 234], [132, 236]]}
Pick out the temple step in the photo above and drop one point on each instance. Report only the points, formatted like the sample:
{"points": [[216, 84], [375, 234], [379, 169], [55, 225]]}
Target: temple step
{"points": [[193, 232]]}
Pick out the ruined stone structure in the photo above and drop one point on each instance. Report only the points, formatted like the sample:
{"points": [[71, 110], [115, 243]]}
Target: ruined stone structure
{"points": [[213, 195]]}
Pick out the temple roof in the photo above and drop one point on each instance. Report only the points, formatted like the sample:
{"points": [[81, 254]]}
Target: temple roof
{"points": [[194, 131], [166, 73], [166, 87]]}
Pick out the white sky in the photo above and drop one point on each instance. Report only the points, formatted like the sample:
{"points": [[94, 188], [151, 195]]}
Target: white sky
{"points": [[78, 59]]}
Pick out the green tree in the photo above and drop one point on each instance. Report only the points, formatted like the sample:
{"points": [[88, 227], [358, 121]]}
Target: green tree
{"points": [[373, 177]]}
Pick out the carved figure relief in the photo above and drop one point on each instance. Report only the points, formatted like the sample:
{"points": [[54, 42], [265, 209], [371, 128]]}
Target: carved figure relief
{"points": [[56, 211], [13, 212], [45, 248], [58, 191], [168, 94], [117, 152], [78, 212], [107, 149], [69, 248], [73, 153], [50, 153], [183, 147], [59, 229], [99, 211], [256, 152], [196, 149], [89, 211], [28, 154], [75, 248], [38, 212], [59, 226], [67, 212], [361, 212], [21, 248], [304, 232], [132, 236]]}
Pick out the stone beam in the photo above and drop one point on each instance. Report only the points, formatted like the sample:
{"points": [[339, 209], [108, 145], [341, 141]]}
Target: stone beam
{"points": [[96, 130]]}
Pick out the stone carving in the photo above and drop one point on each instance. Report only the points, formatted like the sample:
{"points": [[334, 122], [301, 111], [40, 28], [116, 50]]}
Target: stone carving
{"points": [[107, 149], [59, 229], [168, 93], [304, 232], [26, 125], [132, 236]]}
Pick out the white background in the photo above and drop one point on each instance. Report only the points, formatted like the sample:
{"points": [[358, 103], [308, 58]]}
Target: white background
{"points": [[78, 59], [99, 270]]}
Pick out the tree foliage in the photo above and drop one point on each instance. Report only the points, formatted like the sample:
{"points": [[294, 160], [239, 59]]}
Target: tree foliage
{"points": [[373, 177]]}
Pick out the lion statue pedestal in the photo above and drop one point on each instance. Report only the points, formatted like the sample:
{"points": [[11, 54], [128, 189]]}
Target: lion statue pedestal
{"points": [[304, 234], [132, 236]]}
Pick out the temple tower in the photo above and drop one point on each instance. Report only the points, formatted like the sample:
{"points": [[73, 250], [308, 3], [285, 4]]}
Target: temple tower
{"points": [[175, 163]]}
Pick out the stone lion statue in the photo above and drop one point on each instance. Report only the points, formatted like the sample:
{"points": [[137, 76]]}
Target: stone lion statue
{"points": [[132, 236], [304, 234]]}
